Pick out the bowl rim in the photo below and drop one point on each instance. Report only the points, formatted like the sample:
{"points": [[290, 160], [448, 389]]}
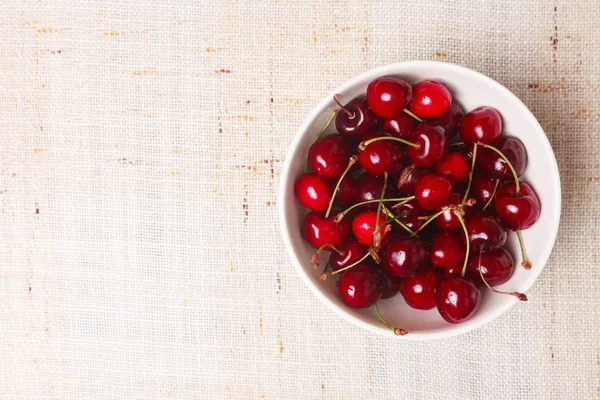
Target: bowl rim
{"points": [[322, 106]]}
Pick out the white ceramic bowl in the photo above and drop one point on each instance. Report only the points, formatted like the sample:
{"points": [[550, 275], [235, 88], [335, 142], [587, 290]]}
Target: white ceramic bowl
{"points": [[471, 89]]}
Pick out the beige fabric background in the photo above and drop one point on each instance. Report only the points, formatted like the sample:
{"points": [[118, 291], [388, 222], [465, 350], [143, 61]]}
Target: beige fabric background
{"points": [[140, 149]]}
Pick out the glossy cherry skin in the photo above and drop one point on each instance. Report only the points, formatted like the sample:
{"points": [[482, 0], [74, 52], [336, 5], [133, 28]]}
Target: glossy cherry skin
{"points": [[430, 99], [360, 287], [346, 193], [381, 156], [409, 214], [352, 251], [329, 156], [405, 183], [401, 126], [452, 271], [419, 290], [482, 189], [447, 250], [497, 266], [457, 299], [490, 164], [485, 229], [357, 125], [482, 124], [450, 120], [390, 283], [319, 231], [455, 167], [518, 210], [369, 187], [363, 226], [432, 144], [313, 192], [432, 190], [403, 256], [448, 221], [388, 96]]}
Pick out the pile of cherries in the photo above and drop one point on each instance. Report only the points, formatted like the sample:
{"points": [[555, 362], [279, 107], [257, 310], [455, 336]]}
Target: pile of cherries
{"points": [[404, 205]]}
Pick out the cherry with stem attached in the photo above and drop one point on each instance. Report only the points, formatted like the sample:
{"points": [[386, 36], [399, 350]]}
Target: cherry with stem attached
{"points": [[351, 162], [518, 295]]}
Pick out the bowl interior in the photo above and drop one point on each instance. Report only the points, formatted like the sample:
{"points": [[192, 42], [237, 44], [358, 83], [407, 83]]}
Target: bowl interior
{"points": [[470, 89]]}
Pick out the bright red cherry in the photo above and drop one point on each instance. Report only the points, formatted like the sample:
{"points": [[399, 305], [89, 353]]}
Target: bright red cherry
{"points": [[432, 144], [346, 193], [390, 283], [408, 177], [363, 226], [483, 124], [388, 96], [519, 210], [450, 120], [319, 231], [403, 256], [351, 252], [447, 250], [419, 290], [360, 287], [430, 99], [329, 156], [457, 299], [369, 187], [313, 192], [355, 119], [490, 164], [400, 126], [482, 189], [455, 167], [409, 214], [381, 156], [497, 266], [485, 229], [432, 190], [448, 221]]}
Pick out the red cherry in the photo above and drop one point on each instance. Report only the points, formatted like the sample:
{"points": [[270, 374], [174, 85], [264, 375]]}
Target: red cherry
{"points": [[492, 165], [329, 156], [450, 120], [497, 266], [351, 252], [381, 156], [346, 193], [400, 126], [363, 226], [432, 144], [369, 187], [483, 124], [430, 99], [482, 189], [419, 290], [390, 283], [403, 256], [432, 190], [519, 210], [457, 299], [485, 229], [319, 231], [448, 221], [388, 96], [455, 167], [409, 214], [452, 271], [447, 250], [355, 119], [313, 192], [408, 177], [360, 287]]}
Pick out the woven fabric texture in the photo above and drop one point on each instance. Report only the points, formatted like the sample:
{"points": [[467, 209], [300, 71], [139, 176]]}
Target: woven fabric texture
{"points": [[141, 144]]}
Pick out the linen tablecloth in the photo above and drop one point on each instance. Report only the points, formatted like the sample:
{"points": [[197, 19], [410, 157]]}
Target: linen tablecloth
{"points": [[140, 149]]}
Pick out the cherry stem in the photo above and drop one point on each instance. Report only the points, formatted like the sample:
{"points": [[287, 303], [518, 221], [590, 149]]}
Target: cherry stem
{"points": [[385, 181], [525, 262], [331, 117], [341, 214], [344, 109], [429, 219], [316, 257], [412, 114], [512, 169], [324, 276], [351, 162], [464, 227], [397, 331], [406, 200], [363, 145], [470, 174], [492, 196], [456, 144], [518, 295], [395, 219]]}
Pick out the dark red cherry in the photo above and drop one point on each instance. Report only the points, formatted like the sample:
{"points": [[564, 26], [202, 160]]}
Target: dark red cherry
{"points": [[381, 156], [313, 192], [485, 229], [329, 156], [432, 144], [388, 96], [400, 126], [351, 252], [448, 221], [432, 190], [457, 299], [497, 266], [360, 287], [369, 187], [483, 124], [490, 164], [409, 214], [450, 120], [356, 119], [346, 193], [455, 167], [482, 189], [390, 283], [518, 210], [447, 250], [452, 271], [408, 177], [430, 99], [363, 226], [403, 256], [419, 290], [319, 231]]}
